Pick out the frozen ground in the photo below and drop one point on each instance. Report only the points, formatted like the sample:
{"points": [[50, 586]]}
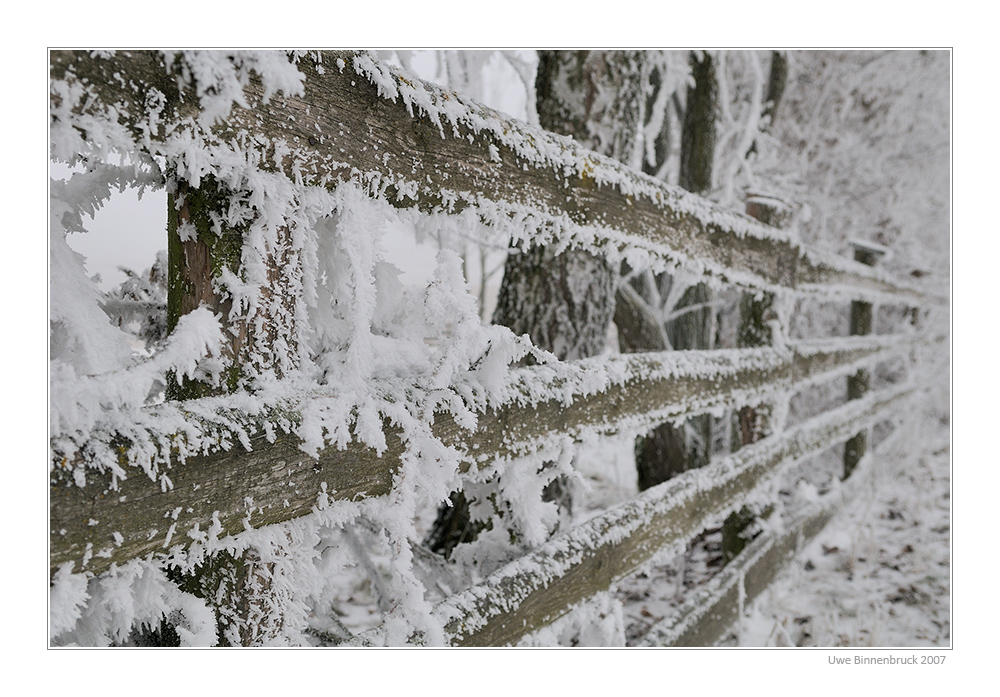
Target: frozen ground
{"points": [[879, 573]]}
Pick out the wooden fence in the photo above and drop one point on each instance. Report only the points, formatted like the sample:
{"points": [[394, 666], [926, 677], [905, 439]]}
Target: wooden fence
{"points": [[418, 146]]}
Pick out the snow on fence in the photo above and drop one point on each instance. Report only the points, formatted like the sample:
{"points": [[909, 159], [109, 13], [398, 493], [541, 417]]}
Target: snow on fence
{"points": [[276, 151]]}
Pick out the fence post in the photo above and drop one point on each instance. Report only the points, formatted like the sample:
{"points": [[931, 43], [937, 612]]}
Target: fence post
{"points": [[197, 251], [200, 245], [752, 422], [861, 324]]}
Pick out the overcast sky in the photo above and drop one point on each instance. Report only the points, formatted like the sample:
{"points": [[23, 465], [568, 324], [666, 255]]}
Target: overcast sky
{"points": [[126, 232]]}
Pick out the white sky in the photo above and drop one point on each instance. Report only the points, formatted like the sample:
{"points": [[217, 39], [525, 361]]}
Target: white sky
{"points": [[126, 232]]}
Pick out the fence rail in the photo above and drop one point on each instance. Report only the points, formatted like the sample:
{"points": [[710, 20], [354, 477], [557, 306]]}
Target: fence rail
{"points": [[421, 146], [99, 525]]}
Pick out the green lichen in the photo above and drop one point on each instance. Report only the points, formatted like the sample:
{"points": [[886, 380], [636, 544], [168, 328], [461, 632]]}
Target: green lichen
{"points": [[753, 330], [175, 264], [206, 207]]}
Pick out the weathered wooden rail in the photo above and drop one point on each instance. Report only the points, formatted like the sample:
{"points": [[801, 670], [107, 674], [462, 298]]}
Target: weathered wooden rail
{"points": [[284, 482], [419, 146], [710, 614], [362, 122]]}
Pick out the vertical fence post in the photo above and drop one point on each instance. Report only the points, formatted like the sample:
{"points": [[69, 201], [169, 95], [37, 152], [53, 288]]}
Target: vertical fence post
{"points": [[200, 246], [752, 422], [861, 325], [197, 252]]}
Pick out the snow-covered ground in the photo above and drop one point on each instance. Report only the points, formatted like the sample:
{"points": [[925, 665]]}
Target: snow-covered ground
{"points": [[879, 574]]}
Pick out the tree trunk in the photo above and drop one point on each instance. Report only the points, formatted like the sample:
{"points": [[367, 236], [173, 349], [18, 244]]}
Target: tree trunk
{"points": [[564, 302], [639, 327], [700, 115], [668, 450], [777, 79]]}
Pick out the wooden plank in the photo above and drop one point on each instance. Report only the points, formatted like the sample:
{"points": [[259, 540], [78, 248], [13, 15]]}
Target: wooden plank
{"points": [[765, 567], [713, 619], [227, 491], [542, 586], [710, 613], [276, 482], [422, 146]]}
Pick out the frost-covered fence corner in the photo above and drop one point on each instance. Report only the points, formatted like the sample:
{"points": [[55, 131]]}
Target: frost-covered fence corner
{"points": [[316, 407]]}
